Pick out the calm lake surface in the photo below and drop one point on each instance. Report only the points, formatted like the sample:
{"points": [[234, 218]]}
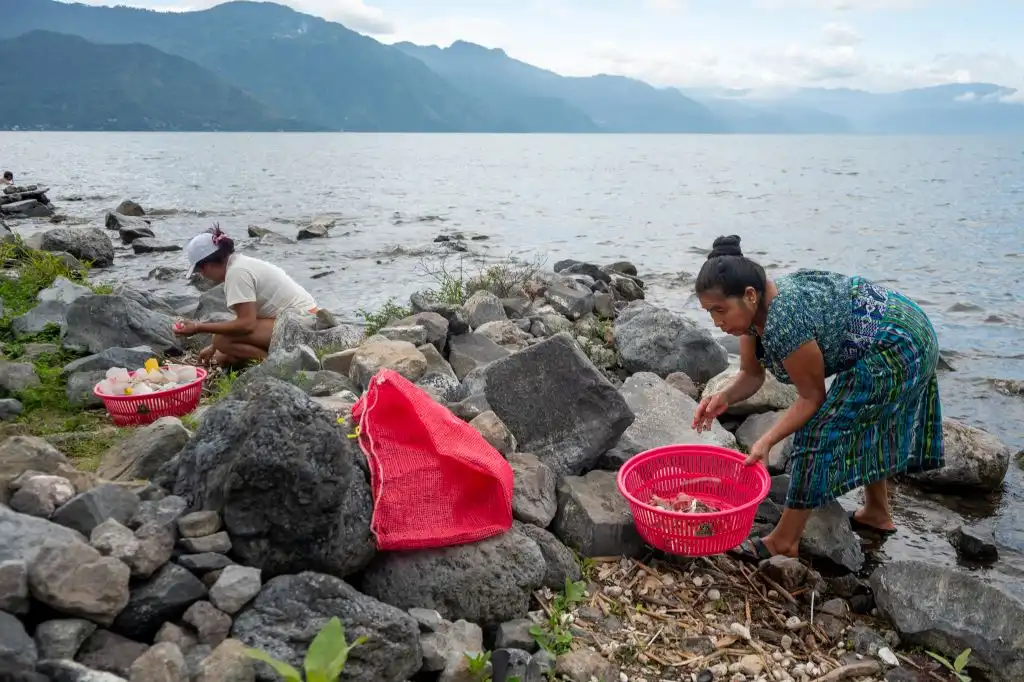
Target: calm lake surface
{"points": [[941, 219]]}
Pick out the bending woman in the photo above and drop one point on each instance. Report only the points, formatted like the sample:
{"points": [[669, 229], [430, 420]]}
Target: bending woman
{"points": [[257, 292], [881, 416]]}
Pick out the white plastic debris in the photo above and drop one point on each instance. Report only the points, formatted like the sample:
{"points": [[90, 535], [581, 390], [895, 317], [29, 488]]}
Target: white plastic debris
{"points": [[146, 380]]}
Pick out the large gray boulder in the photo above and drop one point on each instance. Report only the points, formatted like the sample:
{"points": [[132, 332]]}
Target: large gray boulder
{"points": [[557, 404], [98, 322], [975, 461], [487, 582], [23, 536], [290, 610], [52, 307], [293, 329], [292, 488], [947, 610], [84, 243], [664, 416], [772, 396], [654, 339]]}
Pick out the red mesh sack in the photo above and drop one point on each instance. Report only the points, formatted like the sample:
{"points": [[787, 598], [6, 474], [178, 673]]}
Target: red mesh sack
{"points": [[436, 482]]}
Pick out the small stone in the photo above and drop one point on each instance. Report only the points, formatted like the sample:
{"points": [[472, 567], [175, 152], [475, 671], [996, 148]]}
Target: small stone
{"points": [[495, 432], [886, 655], [515, 634], [40, 494], [741, 631], [162, 662], [199, 524], [62, 637], [583, 665], [714, 595], [85, 511], [205, 562], [169, 632], [750, 665], [235, 587], [14, 586], [794, 623], [787, 642], [218, 542], [164, 511], [156, 545], [77, 580], [227, 663], [212, 624], [428, 620]]}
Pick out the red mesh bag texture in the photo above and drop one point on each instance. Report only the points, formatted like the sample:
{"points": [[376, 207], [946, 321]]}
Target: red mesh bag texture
{"points": [[436, 482]]}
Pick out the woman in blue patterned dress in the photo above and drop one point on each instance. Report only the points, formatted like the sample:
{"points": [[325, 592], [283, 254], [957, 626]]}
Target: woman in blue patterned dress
{"points": [[881, 416]]}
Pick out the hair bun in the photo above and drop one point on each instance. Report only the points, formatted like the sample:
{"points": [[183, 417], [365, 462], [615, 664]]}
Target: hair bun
{"points": [[726, 246]]}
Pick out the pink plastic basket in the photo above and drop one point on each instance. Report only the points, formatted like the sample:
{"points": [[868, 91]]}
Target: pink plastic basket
{"points": [[136, 410], [665, 471]]}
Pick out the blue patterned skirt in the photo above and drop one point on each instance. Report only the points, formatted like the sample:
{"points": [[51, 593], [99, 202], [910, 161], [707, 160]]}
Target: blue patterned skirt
{"points": [[882, 416]]}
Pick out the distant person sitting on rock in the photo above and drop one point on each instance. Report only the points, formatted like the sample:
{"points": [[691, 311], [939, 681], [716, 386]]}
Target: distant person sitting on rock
{"points": [[8, 178], [881, 416], [255, 290]]}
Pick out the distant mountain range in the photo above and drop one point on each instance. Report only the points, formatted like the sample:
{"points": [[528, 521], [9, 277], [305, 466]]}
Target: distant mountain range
{"points": [[262, 66]]}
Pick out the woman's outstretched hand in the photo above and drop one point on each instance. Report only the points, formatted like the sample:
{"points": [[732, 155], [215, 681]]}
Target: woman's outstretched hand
{"points": [[710, 408], [758, 452], [186, 328]]}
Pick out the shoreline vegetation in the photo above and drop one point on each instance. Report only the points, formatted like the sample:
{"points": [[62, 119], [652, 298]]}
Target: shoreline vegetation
{"points": [[164, 547]]}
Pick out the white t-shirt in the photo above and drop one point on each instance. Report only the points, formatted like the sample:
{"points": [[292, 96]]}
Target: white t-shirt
{"points": [[251, 280]]}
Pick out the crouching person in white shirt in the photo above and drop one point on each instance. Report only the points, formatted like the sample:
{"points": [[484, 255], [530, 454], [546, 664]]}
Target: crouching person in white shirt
{"points": [[257, 292]]}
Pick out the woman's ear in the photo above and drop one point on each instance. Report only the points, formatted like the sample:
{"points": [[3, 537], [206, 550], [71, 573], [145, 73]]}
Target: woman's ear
{"points": [[750, 295]]}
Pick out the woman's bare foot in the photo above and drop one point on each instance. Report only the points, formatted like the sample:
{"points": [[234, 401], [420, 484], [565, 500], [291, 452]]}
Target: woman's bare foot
{"points": [[778, 548], [872, 520]]}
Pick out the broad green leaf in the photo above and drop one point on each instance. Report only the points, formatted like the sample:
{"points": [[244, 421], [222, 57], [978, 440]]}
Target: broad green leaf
{"points": [[324, 647], [941, 659], [341, 658], [961, 661], [289, 673]]}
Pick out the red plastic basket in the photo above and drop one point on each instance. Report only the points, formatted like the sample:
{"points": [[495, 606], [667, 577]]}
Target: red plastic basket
{"points": [[665, 471], [136, 410]]}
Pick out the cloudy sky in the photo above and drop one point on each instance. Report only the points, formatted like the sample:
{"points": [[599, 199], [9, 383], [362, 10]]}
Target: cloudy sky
{"points": [[872, 44]]}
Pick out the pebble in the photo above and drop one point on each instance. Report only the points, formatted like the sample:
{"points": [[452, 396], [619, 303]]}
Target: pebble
{"points": [[714, 595], [698, 582], [888, 657], [794, 623], [740, 631], [787, 642]]}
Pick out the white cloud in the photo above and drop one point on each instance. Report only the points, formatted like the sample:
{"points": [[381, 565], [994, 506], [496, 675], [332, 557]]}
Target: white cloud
{"points": [[664, 5], [840, 35], [355, 14], [843, 5]]}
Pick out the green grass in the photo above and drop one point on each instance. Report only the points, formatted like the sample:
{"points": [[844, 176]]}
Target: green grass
{"points": [[375, 321], [85, 435]]}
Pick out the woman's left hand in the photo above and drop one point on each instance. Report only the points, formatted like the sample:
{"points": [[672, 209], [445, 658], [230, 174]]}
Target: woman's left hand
{"points": [[186, 328], [759, 451]]}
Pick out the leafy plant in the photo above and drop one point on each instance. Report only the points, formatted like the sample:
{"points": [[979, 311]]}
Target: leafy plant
{"points": [[956, 668], [477, 665], [555, 636], [375, 321], [325, 660]]}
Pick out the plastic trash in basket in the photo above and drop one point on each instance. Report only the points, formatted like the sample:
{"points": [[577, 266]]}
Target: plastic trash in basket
{"points": [[148, 405], [715, 477]]}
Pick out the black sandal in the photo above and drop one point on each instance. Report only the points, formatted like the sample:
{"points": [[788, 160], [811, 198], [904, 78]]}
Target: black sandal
{"points": [[752, 550], [857, 524]]}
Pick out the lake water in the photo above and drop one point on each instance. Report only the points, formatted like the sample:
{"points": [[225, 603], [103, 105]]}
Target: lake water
{"points": [[941, 219]]}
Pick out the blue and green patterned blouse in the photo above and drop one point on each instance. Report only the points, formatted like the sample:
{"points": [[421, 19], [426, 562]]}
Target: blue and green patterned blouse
{"points": [[811, 304]]}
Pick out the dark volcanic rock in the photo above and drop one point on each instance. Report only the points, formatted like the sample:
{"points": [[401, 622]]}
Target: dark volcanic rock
{"points": [[290, 609], [486, 582], [290, 486], [557, 404]]}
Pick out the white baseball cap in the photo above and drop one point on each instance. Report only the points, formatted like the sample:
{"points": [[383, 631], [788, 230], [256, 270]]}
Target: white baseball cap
{"points": [[201, 246]]}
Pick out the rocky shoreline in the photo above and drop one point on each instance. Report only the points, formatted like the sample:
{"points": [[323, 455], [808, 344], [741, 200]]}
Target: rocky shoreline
{"points": [[163, 551]]}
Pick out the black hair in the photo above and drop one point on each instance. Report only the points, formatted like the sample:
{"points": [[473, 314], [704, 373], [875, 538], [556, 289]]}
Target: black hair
{"points": [[225, 246], [8, 175], [729, 271]]}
